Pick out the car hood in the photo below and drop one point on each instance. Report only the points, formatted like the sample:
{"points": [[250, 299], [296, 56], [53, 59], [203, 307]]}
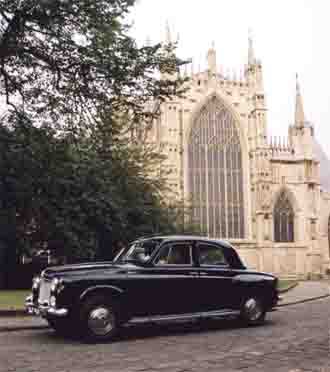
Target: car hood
{"points": [[86, 269]]}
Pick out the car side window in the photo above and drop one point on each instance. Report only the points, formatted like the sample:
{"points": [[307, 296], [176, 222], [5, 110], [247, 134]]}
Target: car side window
{"points": [[175, 254], [211, 255]]}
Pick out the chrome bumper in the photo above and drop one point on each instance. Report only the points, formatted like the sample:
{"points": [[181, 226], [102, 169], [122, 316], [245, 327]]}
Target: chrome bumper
{"points": [[44, 311], [275, 305]]}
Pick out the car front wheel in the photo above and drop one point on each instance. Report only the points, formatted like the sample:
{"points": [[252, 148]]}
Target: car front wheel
{"points": [[252, 311], [99, 319]]}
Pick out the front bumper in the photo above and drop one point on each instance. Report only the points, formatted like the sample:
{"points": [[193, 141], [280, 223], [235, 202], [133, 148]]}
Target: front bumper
{"points": [[275, 304], [43, 310]]}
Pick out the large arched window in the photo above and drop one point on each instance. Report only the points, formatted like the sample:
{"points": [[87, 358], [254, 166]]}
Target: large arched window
{"points": [[283, 219], [215, 172]]}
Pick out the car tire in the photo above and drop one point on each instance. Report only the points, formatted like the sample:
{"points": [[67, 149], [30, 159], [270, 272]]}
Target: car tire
{"points": [[99, 319], [252, 311]]}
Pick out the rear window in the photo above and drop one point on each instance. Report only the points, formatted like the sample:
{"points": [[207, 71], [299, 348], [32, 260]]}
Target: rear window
{"points": [[211, 255]]}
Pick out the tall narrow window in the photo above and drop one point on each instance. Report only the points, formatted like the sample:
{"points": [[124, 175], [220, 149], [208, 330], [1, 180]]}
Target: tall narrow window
{"points": [[215, 172], [283, 219], [329, 234]]}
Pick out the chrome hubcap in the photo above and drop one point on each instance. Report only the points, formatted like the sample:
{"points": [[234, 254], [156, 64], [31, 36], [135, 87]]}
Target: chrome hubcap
{"points": [[253, 309], [101, 321]]}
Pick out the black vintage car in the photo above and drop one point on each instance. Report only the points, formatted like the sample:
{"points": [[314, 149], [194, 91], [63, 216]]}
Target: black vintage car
{"points": [[161, 278]]}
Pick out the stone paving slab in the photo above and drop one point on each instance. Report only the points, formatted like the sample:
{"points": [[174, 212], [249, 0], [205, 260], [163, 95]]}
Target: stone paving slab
{"points": [[306, 290]]}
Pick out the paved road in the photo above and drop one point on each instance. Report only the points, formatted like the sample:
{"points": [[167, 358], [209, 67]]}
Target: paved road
{"points": [[295, 339]]}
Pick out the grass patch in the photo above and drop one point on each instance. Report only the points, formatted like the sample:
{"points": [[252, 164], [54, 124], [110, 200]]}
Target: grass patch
{"points": [[13, 299], [286, 285]]}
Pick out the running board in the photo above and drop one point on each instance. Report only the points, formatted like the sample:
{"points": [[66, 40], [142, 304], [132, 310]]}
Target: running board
{"points": [[175, 317]]}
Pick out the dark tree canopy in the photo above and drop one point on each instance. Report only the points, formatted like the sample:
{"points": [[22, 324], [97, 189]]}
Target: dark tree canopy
{"points": [[67, 61], [78, 202], [75, 81]]}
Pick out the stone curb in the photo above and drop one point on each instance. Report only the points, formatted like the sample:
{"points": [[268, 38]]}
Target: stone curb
{"points": [[22, 328], [304, 300], [13, 313]]}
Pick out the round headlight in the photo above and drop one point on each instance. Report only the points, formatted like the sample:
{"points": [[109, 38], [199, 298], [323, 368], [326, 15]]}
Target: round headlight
{"points": [[52, 301], [35, 283], [54, 285]]}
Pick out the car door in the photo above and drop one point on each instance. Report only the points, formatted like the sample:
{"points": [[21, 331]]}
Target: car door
{"points": [[215, 285], [173, 278]]}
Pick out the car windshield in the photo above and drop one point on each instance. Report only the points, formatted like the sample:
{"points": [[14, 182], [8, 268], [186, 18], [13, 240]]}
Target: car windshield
{"points": [[138, 252]]}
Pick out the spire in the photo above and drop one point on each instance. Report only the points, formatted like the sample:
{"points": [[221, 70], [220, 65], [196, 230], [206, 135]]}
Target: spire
{"points": [[192, 67], [168, 36], [185, 71], [227, 73], [200, 64], [212, 59], [251, 55], [235, 75], [299, 114], [148, 41], [241, 75]]}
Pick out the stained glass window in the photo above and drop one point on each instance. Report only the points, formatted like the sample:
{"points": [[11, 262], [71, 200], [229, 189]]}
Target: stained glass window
{"points": [[283, 219], [215, 172]]}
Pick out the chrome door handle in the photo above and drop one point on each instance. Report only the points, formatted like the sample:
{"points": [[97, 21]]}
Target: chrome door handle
{"points": [[203, 273]]}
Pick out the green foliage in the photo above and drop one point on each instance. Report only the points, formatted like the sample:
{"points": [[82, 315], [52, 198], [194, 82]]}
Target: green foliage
{"points": [[76, 175], [64, 62], [77, 200]]}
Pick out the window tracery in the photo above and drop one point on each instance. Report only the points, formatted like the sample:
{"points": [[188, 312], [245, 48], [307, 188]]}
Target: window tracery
{"points": [[283, 219], [216, 172]]}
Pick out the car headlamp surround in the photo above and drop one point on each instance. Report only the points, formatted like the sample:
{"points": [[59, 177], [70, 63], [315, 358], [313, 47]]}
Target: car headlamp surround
{"points": [[52, 301], [56, 286], [36, 283]]}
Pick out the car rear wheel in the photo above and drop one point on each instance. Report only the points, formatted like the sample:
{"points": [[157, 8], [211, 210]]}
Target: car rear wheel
{"points": [[252, 311], [99, 319]]}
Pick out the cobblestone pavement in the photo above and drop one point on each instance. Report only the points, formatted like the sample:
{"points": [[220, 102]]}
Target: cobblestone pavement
{"points": [[294, 339]]}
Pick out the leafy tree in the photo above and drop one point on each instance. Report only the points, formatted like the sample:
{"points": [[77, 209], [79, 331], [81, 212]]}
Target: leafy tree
{"points": [[78, 86], [78, 201], [65, 62]]}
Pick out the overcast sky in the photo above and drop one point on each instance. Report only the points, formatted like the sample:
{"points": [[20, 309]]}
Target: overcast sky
{"points": [[289, 36]]}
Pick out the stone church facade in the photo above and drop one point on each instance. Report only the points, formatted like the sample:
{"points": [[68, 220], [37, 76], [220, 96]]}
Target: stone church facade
{"points": [[269, 197]]}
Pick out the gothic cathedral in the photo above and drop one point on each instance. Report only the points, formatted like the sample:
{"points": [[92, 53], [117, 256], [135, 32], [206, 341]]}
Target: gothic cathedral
{"points": [[269, 197]]}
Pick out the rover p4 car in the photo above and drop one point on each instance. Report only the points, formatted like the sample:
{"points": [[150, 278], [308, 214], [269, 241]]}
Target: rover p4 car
{"points": [[161, 278]]}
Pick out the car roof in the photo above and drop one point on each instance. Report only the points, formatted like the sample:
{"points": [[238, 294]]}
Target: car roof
{"points": [[165, 238], [233, 257]]}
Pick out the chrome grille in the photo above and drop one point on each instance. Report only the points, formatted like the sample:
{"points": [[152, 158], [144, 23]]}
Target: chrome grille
{"points": [[44, 291]]}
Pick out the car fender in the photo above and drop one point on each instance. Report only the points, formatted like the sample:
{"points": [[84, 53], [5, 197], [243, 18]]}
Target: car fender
{"points": [[251, 284], [114, 291]]}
